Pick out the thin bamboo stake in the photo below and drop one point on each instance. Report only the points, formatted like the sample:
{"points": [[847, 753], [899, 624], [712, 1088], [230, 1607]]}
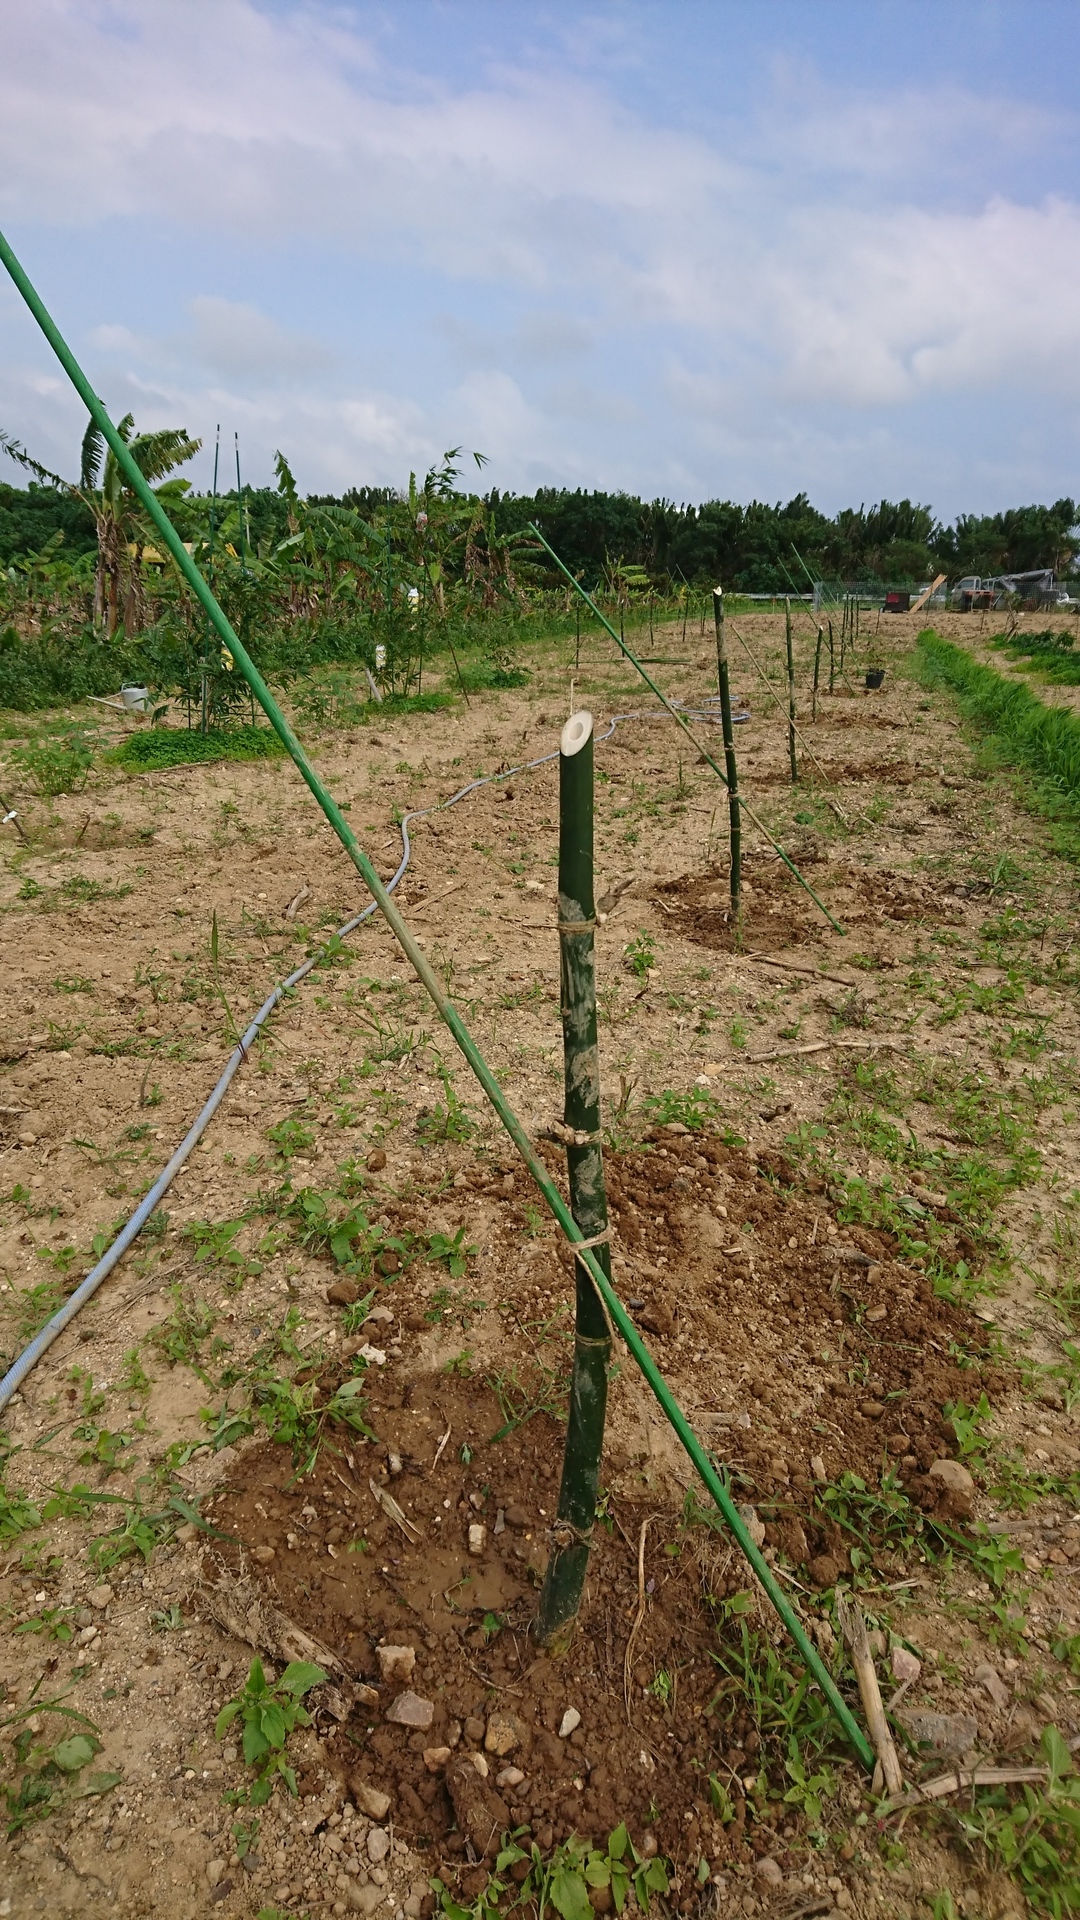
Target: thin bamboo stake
{"points": [[790, 697], [732, 765], [579, 1490], [488, 1081], [817, 669], [762, 675], [681, 721], [832, 659]]}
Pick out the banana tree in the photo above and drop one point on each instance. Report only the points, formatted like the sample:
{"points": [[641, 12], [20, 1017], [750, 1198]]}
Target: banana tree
{"points": [[123, 531]]}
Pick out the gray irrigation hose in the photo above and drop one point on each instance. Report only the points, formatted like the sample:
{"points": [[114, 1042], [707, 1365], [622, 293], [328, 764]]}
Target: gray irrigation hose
{"points": [[86, 1289]]}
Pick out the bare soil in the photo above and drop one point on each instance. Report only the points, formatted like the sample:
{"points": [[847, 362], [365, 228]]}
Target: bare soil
{"points": [[806, 1342]]}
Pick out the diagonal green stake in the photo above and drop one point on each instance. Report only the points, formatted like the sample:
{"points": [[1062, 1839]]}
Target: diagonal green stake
{"points": [[686, 727], [621, 1320]]}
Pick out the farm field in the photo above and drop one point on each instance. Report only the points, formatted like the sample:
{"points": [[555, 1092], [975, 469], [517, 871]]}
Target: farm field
{"points": [[317, 1412]]}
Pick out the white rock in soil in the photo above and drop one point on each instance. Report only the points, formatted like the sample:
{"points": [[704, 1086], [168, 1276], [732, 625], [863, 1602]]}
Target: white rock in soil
{"points": [[410, 1710], [991, 1682], [571, 1719], [509, 1777], [215, 1871], [477, 1538], [365, 1899], [396, 1664], [369, 1799], [100, 1596], [378, 1844], [905, 1666]]}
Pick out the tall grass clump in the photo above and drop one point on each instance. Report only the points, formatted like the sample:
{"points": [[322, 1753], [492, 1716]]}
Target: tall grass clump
{"points": [[1019, 729]]}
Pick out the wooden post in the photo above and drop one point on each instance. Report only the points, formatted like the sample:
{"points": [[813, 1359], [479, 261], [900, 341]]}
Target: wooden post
{"points": [[790, 697], [734, 815]]}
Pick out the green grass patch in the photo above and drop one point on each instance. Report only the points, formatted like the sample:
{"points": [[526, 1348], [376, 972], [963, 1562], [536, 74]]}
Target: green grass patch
{"points": [[179, 746], [1020, 730]]}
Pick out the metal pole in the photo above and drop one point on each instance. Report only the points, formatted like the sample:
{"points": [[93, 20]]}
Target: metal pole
{"points": [[790, 698], [580, 1487], [428, 977], [724, 684]]}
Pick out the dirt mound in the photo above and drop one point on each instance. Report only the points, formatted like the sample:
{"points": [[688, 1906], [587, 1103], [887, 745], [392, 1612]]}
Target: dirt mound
{"points": [[778, 913], [714, 1251]]}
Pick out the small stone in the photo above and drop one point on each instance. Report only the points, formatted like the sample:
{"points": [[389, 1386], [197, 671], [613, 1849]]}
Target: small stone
{"points": [[755, 1527], [502, 1735], [988, 1678], [817, 1467], [871, 1409], [343, 1293], [364, 1899], [516, 1517], [215, 1871], [956, 1484], [378, 1845], [474, 1727], [768, 1874], [509, 1777], [477, 1538], [396, 1664], [368, 1799], [481, 1765], [945, 1732], [436, 1758], [824, 1571], [905, 1666], [263, 1555], [376, 1160], [100, 1596], [413, 1907], [873, 1314], [409, 1710], [570, 1721], [364, 1695]]}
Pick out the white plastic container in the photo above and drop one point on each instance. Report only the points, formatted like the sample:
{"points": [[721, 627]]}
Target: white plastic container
{"points": [[135, 699]]}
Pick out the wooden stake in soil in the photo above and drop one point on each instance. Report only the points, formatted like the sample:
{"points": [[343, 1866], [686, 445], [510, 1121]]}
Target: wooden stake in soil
{"points": [[730, 762], [580, 1486], [832, 659], [790, 696], [817, 670]]}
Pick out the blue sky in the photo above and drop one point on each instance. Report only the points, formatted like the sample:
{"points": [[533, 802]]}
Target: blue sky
{"points": [[727, 248]]}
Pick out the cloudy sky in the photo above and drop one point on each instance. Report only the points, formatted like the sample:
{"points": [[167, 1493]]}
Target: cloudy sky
{"points": [[698, 248]]}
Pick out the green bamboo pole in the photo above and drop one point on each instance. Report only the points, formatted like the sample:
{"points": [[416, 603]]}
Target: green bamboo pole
{"points": [[790, 697], [734, 820], [681, 720], [817, 670], [832, 659], [712, 1480], [580, 1486]]}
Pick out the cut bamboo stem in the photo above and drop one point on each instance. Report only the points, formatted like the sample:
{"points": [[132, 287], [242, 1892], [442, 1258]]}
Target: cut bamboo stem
{"points": [[817, 671], [731, 764], [832, 659], [853, 1627], [579, 1490], [790, 696]]}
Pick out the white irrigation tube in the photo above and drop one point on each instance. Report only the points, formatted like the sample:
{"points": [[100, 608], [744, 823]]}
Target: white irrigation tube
{"points": [[86, 1289]]}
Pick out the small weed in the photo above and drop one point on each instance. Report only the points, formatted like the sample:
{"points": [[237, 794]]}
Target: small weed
{"points": [[640, 955], [449, 1122], [268, 1716], [449, 1304], [696, 1109], [215, 1246]]}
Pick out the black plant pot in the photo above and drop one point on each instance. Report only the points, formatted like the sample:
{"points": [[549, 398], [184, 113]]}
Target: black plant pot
{"points": [[874, 678]]}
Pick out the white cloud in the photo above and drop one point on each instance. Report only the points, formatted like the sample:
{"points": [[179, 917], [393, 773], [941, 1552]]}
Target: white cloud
{"points": [[830, 256]]}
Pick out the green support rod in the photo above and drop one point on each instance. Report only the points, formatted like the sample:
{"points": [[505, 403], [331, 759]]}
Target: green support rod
{"points": [[790, 696], [446, 1010], [817, 671], [723, 682], [682, 721], [579, 1490]]}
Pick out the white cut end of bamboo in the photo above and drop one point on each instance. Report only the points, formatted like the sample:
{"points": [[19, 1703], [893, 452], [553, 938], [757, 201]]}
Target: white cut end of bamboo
{"points": [[576, 732]]}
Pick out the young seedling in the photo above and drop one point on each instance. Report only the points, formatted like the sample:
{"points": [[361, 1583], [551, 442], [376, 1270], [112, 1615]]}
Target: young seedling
{"points": [[268, 1715]]}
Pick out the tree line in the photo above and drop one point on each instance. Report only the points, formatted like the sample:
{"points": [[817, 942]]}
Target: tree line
{"points": [[758, 548]]}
